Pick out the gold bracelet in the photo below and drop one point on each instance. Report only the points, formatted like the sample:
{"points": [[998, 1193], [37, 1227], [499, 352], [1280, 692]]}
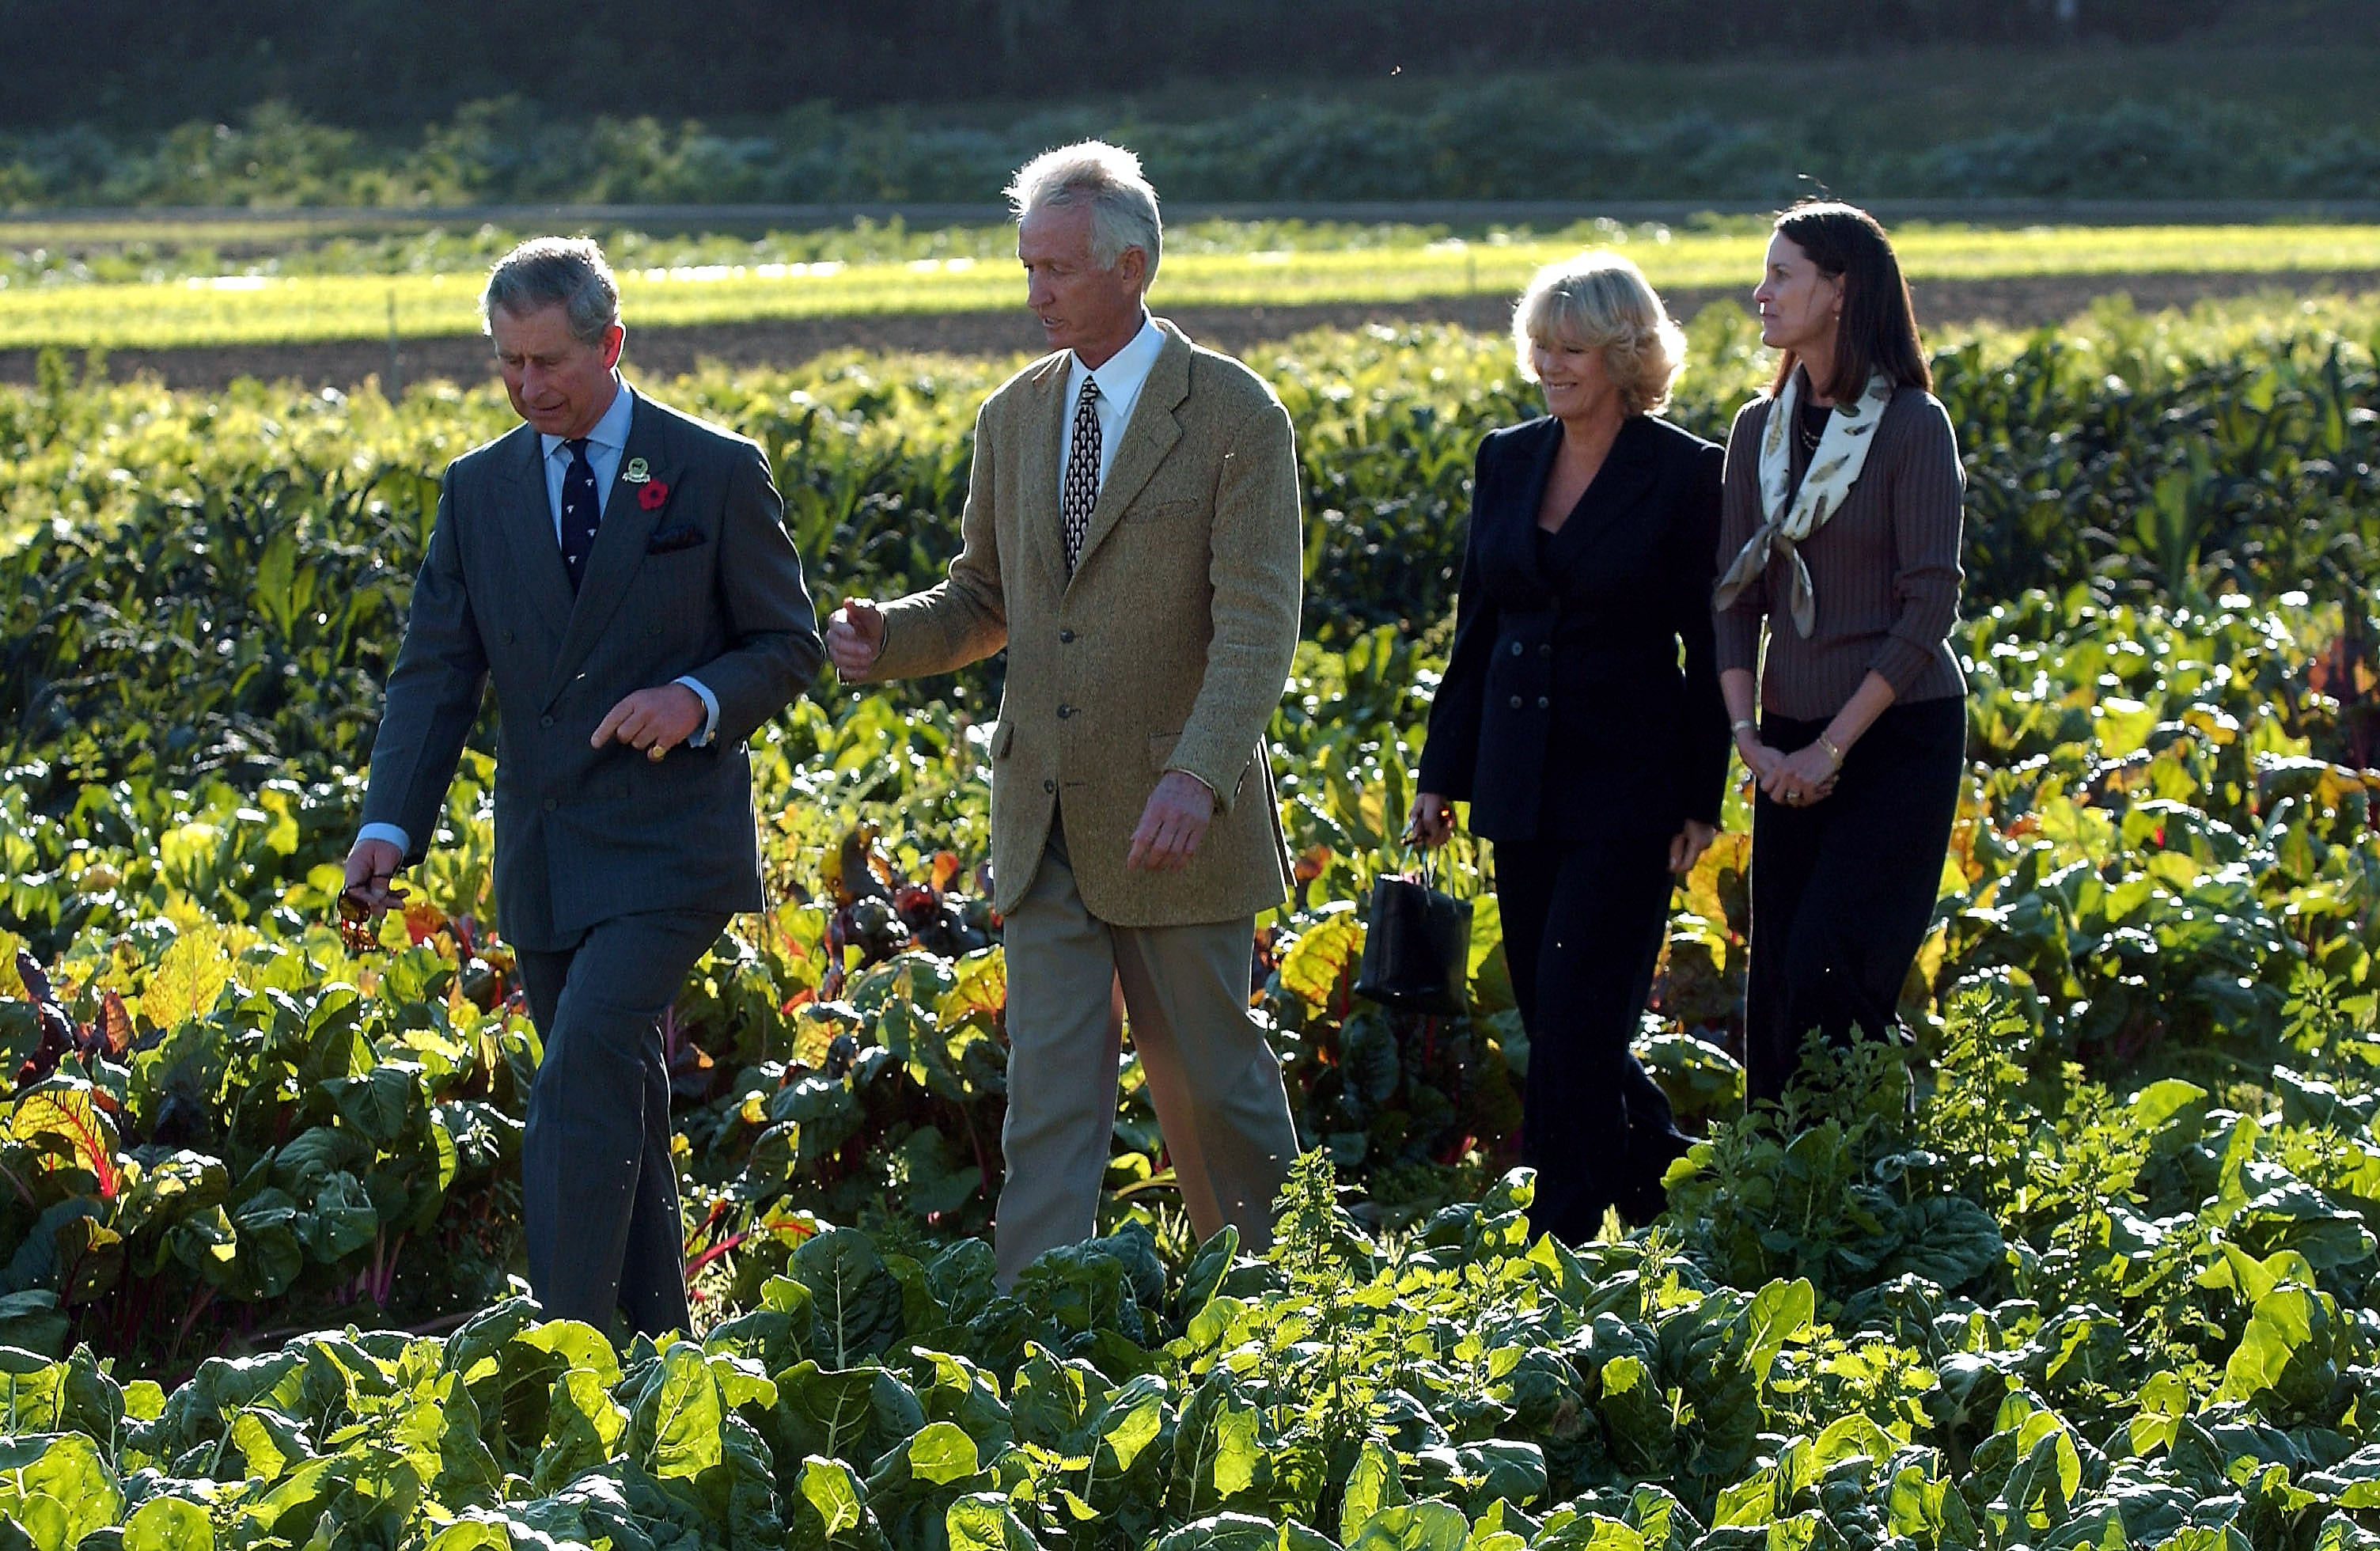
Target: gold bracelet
{"points": [[1834, 750]]}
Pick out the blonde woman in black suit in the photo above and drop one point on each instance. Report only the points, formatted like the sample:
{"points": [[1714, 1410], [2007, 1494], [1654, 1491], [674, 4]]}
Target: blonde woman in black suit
{"points": [[1580, 717]]}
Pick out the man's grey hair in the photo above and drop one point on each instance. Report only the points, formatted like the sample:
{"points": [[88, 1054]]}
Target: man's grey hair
{"points": [[567, 272], [1109, 179]]}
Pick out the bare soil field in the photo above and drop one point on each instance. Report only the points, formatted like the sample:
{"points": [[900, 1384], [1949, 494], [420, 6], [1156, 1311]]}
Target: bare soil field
{"points": [[663, 351]]}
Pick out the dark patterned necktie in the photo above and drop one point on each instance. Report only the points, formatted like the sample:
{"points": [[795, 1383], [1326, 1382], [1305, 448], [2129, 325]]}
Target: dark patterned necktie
{"points": [[1081, 491], [582, 512]]}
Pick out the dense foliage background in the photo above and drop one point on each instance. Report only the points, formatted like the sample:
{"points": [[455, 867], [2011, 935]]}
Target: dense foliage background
{"points": [[362, 102], [378, 63], [2092, 1264], [1510, 139]]}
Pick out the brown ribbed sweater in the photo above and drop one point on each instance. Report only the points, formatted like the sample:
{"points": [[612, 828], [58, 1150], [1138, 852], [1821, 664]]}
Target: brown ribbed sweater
{"points": [[1885, 568]]}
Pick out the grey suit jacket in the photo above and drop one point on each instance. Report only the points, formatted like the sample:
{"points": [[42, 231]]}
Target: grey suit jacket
{"points": [[585, 834]]}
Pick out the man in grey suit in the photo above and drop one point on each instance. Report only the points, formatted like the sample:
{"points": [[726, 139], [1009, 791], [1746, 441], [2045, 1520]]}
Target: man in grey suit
{"points": [[621, 571]]}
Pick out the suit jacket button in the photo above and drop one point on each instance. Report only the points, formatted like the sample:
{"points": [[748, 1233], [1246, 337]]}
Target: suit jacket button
{"points": [[508, 637], [1517, 702], [1543, 703], [550, 804], [1067, 638], [1516, 649], [1546, 649], [545, 721], [1048, 786]]}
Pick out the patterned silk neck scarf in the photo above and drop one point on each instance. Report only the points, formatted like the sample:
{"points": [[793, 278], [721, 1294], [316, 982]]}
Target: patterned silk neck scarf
{"points": [[1081, 491], [1834, 468]]}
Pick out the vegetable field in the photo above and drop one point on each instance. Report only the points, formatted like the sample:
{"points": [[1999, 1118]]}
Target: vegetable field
{"points": [[162, 286], [2091, 1265]]}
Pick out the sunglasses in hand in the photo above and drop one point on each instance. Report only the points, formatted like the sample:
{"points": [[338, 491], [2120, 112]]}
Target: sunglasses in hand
{"points": [[358, 916]]}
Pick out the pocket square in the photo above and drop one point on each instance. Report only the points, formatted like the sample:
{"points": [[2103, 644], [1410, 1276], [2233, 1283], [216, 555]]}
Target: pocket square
{"points": [[671, 540]]}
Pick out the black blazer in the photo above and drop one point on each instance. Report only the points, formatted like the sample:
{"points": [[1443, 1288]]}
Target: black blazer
{"points": [[1565, 712]]}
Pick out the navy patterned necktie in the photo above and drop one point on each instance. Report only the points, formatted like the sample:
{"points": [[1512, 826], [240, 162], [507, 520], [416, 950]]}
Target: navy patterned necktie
{"points": [[582, 512], [1081, 491]]}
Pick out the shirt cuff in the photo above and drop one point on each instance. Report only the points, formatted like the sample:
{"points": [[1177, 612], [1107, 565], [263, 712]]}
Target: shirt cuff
{"points": [[710, 711], [389, 832]]}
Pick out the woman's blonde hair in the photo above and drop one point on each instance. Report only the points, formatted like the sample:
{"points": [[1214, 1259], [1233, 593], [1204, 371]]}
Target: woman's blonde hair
{"points": [[1602, 301]]}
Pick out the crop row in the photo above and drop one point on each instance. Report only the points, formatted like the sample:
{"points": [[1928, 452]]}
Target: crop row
{"points": [[736, 283], [2153, 872], [2091, 1264], [2013, 1315], [226, 572]]}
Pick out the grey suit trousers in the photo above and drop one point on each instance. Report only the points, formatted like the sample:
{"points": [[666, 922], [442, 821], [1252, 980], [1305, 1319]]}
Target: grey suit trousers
{"points": [[1215, 1082], [597, 1185]]}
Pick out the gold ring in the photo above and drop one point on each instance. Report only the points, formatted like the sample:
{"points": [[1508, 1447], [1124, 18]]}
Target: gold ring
{"points": [[655, 752]]}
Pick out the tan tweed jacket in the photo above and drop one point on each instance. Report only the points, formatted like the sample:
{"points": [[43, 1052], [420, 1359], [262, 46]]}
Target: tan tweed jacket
{"points": [[1167, 649]]}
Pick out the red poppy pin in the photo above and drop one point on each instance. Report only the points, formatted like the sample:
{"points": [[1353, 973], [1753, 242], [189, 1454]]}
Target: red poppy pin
{"points": [[653, 494]]}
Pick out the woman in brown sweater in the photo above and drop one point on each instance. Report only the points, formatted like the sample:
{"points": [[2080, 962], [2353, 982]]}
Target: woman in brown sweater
{"points": [[1839, 531]]}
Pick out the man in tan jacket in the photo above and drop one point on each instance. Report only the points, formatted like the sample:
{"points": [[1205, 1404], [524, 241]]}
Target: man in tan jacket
{"points": [[1132, 539]]}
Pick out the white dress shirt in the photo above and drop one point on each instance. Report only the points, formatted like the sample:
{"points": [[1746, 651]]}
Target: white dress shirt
{"points": [[607, 443], [1120, 376]]}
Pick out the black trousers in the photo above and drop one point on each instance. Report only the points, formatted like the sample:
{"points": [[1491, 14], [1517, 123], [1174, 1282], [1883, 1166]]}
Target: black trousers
{"points": [[598, 1190], [1583, 930], [1844, 889]]}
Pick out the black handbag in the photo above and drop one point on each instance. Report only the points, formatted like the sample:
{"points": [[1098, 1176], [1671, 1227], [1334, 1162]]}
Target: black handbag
{"points": [[1416, 947]]}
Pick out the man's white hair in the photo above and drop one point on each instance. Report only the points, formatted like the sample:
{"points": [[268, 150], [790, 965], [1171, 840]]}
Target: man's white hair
{"points": [[1109, 179]]}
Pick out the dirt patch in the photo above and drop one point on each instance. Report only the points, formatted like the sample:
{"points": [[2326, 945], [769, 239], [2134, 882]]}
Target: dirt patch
{"points": [[663, 351]]}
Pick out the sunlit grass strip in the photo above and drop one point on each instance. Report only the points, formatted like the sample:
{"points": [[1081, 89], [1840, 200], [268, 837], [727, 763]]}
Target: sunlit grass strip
{"points": [[253, 310]]}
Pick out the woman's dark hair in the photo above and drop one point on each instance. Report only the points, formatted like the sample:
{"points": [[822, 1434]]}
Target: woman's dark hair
{"points": [[1877, 329]]}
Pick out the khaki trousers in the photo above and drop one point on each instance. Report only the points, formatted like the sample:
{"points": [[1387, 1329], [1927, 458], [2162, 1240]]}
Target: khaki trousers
{"points": [[1214, 1079]]}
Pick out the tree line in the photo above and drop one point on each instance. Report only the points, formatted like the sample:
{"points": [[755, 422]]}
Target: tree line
{"points": [[134, 64], [1498, 140]]}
